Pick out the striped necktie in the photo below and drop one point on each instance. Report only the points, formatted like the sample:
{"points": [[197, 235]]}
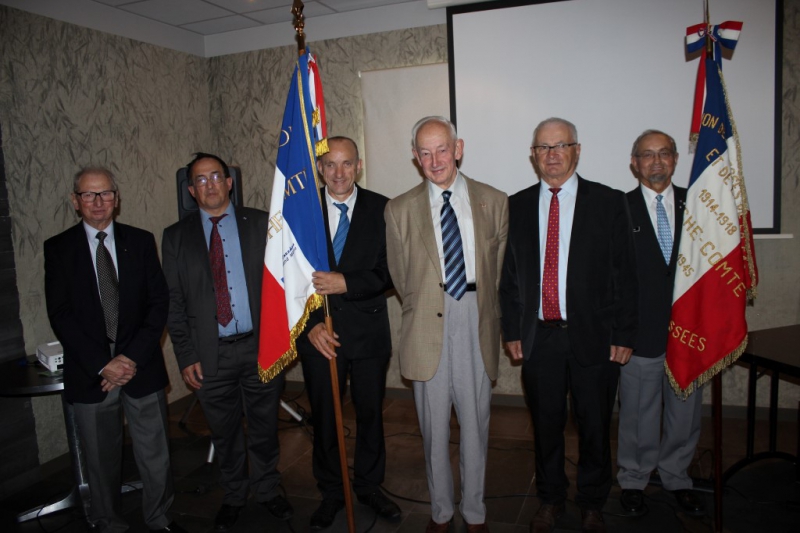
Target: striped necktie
{"points": [[454, 267], [341, 232]]}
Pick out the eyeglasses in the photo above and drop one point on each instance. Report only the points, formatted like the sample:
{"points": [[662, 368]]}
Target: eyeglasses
{"points": [[89, 197], [202, 181], [559, 148], [663, 154]]}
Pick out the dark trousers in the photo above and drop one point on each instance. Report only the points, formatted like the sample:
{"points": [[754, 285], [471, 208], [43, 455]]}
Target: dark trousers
{"points": [[367, 388], [548, 375], [236, 389]]}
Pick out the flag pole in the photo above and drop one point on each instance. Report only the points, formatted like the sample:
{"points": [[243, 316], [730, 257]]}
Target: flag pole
{"points": [[716, 384], [299, 25]]}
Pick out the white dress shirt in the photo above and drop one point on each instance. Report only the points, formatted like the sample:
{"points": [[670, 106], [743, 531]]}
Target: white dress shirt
{"points": [[669, 205], [460, 202], [110, 243], [334, 214], [566, 214]]}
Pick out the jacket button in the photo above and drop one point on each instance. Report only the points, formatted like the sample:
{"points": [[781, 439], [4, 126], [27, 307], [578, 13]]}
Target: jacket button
{"points": [[439, 315]]}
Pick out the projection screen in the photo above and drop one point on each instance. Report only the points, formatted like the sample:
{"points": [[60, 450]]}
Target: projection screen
{"points": [[614, 68]]}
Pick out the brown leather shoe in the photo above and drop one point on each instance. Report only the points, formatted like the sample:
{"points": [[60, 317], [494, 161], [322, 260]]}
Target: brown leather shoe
{"points": [[592, 521], [477, 528], [545, 519], [434, 527]]}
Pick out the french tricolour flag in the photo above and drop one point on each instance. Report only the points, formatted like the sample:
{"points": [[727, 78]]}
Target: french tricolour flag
{"points": [[296, 241], [716, 272]]}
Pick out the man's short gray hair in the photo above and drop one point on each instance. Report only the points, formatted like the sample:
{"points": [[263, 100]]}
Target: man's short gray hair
{"points": [[441, 120], [573, 131], [93, 170], [645, 133]]}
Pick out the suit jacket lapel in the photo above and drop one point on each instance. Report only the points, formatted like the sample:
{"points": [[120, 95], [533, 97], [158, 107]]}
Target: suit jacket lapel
{"points": [[680, 205], [420, 209], [643, 218], [87, 278]]}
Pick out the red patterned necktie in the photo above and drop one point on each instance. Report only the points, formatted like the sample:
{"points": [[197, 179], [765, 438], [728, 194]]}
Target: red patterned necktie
{"points": [[551, 310], [217, 255]]}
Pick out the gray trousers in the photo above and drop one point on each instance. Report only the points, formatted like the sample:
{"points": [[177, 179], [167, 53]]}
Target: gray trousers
{"points": [[647, 444], [461, 382], [100, 427]]}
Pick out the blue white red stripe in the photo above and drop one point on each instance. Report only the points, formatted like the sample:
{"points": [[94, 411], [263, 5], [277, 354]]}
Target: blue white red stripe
{"points": [[296, 241], [716, 272]]}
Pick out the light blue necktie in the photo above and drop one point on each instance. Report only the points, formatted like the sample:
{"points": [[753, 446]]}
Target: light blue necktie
{"points": [[664, 233], [341, 232], [455, 270]]}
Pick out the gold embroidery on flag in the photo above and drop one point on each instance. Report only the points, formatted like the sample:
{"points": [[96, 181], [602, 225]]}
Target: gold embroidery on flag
{"points": [[267, 374]]}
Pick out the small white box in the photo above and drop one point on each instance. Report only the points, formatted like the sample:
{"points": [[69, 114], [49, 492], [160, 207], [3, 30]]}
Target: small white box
{"points": [[51, 356]]}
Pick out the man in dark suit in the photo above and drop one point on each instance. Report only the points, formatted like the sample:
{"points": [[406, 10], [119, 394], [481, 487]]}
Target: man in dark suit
{"points": [[568, 298], [107, 302], [656, 208], [361, 344], [214, 262]]}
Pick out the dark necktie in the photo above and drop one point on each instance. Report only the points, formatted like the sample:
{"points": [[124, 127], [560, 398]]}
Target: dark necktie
{"points": [[217, 255], [109, 286], [551, 309], [455, 270], [664, 233], [341, 232]]}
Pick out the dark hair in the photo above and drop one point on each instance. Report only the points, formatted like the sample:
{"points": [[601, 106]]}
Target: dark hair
{"points": [[202, 155]]}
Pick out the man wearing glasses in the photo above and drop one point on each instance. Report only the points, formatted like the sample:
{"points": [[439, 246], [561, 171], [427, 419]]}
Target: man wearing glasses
{"points": [[656, 208], [107, 302], [568, 299], [214, 262]]}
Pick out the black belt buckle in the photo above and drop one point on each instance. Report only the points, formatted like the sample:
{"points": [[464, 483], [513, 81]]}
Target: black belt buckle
{"points": [[553, 324], [232, 339]]}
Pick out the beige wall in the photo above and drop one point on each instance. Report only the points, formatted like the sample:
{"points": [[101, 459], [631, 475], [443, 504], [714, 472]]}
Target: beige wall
{"points": [[70, 96]]}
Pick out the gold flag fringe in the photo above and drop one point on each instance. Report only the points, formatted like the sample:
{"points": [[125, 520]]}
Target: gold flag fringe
{"points": [[744, 207], [706, 376], [267, 374]]}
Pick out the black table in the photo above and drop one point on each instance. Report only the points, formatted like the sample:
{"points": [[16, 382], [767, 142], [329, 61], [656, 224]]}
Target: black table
{"points": [[20, 379], [777, 350]]}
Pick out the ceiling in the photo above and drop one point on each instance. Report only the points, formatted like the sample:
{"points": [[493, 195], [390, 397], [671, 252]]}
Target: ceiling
{"points": [[217, 27], [208, 17]]}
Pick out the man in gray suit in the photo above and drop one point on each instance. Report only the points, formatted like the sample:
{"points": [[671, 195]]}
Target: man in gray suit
{"points": [[213, 261], [445, 240], [656, 208]]}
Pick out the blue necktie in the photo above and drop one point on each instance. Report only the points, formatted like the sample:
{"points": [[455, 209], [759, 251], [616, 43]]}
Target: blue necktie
{"points": [[664, 234], [341, 232], [455, 270]]}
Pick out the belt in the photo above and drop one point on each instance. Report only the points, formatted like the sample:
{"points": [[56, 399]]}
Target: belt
{"points": [[471, 287], [552, 324], [231, 339]]}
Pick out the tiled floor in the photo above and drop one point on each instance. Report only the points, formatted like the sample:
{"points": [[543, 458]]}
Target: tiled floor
{"points": [[764, 497]]}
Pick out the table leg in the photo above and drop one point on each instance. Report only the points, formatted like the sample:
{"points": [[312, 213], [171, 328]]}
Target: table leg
{"points": [[773, 411], [751, 409], [79, 495]]}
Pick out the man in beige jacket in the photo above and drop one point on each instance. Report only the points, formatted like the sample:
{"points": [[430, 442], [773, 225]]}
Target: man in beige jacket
{"points": [[445, 242]]}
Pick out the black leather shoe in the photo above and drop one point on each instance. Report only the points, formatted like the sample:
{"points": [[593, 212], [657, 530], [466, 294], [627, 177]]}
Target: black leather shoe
{"points": [[171, 528], [279, 507], [227, 517], [691, 502], [383, 506], [545, 519], [632, 502], [592, 521], [325, 514]]}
